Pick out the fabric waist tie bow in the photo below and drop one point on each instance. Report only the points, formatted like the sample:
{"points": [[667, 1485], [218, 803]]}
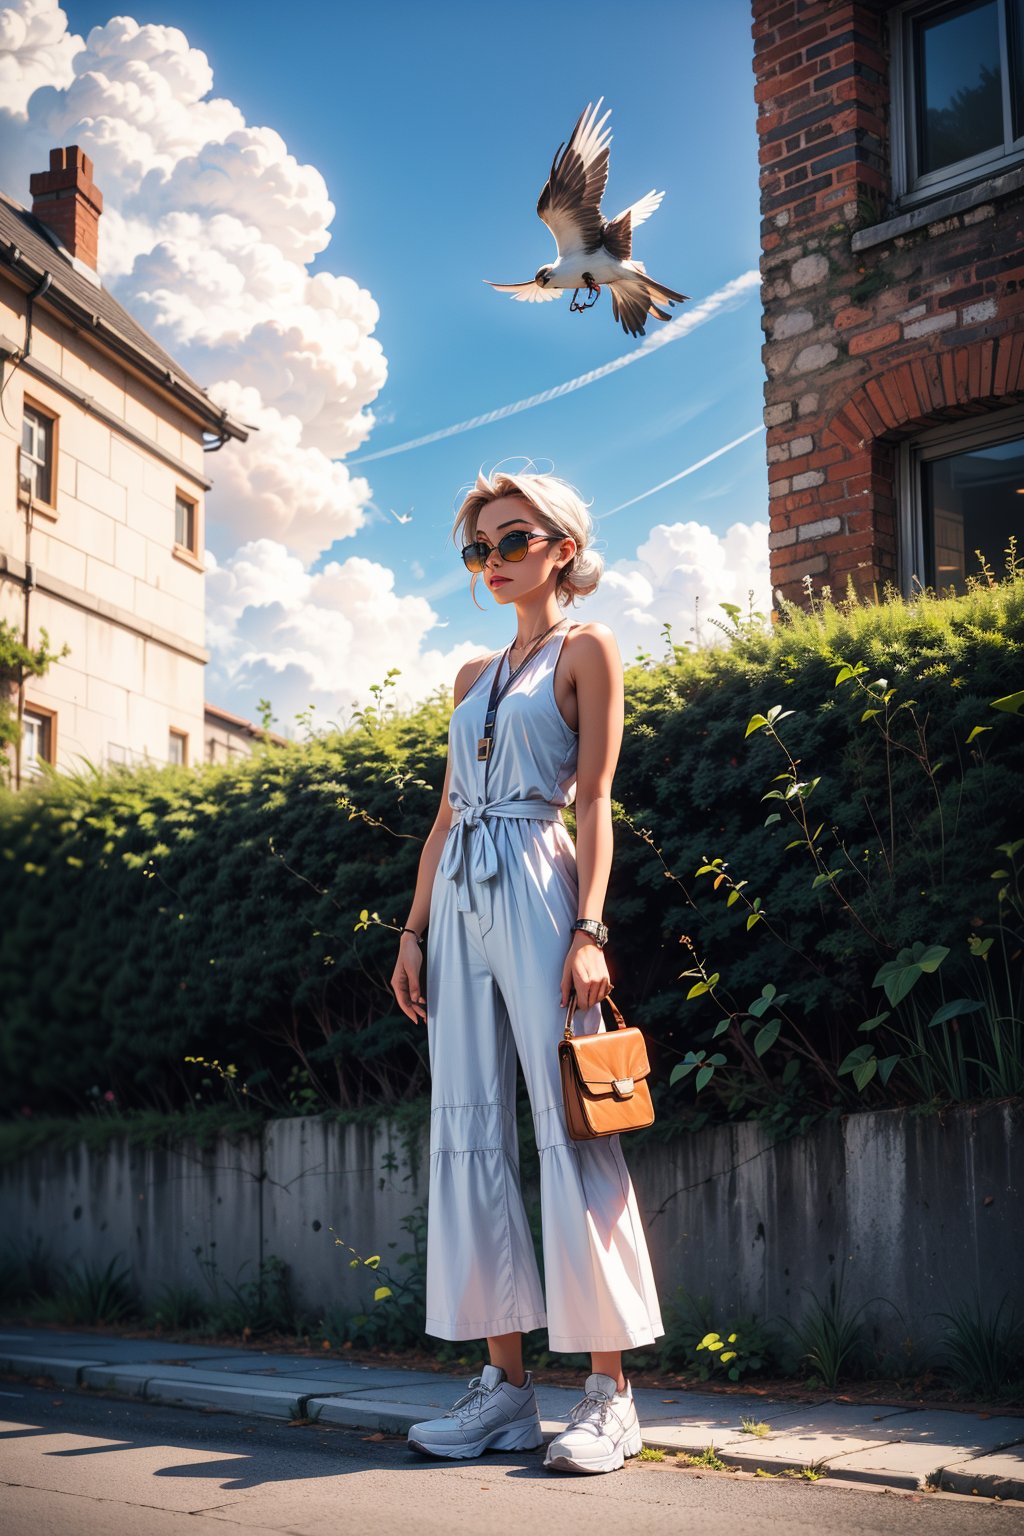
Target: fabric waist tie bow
{"points": [[479, 860]]}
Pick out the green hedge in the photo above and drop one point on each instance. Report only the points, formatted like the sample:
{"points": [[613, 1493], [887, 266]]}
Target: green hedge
{"points": [[150, 915]]}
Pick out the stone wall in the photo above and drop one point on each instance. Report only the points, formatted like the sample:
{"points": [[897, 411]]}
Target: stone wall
{"points": [[876, 325], [922, 1211]]}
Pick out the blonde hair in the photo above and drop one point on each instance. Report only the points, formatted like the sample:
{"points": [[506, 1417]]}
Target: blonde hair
{"points": [[559, 508]]}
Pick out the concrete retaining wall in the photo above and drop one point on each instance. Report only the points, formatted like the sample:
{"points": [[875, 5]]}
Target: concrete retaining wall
{"points": [[923, 1211]]}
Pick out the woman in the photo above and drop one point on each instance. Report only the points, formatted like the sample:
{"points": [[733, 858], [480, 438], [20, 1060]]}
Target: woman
{"points": [[516, 926]]}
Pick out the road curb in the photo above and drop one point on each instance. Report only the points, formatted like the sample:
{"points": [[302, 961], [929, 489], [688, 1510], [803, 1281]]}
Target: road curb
{"points": [[1002, 1478]]}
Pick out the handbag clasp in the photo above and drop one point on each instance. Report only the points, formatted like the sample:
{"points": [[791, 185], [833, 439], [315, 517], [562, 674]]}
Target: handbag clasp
{"points": [[622, 1087]]}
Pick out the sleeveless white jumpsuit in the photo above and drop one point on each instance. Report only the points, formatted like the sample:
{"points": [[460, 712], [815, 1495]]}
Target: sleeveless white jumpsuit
{"points": [[501, 912]]}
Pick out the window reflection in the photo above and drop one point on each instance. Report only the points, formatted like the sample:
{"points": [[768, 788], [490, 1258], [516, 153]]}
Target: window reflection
{"points": [[972, 502], [960, 105]]}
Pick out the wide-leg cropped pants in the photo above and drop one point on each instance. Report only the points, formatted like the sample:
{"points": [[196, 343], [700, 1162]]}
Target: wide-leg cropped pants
{"points": [[493, 991]]}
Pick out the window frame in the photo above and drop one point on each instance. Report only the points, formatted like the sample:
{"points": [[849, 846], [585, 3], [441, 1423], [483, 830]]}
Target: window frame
{"points": [[48, 718], [49, 503], [910, 189], [182, 736], [191, 550], [940, 443]]}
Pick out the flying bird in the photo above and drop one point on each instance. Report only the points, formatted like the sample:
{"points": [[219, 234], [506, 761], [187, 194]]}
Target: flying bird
{"points": [[593, 252]]}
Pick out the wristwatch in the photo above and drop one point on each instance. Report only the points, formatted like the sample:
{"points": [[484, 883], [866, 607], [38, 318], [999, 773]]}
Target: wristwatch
{"points": [[598, 931]]}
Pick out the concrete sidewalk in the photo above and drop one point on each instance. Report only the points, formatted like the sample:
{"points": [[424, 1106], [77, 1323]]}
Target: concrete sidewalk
{"points": [[894, 1446]]}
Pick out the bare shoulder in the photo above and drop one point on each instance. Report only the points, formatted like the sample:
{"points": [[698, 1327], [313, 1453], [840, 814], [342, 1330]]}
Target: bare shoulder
{"points": [[468, 674], [592, 645]]}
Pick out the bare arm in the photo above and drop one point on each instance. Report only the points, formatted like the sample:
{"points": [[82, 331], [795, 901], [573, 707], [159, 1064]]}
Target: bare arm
{"points": [[405, 979], [597, 676]]}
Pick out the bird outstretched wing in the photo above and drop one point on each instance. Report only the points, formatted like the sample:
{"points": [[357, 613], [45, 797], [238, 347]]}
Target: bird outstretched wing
{"points": [[570, 203], [530, 293], [635, 297]]}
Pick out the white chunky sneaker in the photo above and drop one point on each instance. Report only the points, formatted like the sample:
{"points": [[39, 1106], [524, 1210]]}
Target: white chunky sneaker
{"points": [[603, 1430], [492, 1416]]}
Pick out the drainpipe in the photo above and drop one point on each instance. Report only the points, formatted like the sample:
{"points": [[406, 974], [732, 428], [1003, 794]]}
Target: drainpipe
{"points": [[41, 288]]}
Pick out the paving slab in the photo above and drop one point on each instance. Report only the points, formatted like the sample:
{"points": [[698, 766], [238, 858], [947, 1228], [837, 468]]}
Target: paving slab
{"points": [[723, 1414], [100, 1348], [303, 1365], [998, 1476], [916, 1451]]}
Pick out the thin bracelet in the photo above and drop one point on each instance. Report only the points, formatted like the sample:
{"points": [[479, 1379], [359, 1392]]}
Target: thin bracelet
{"points": [[415, 935]]}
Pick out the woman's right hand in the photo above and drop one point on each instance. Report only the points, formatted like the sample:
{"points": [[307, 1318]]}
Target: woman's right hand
{"points": [[405, 980]]}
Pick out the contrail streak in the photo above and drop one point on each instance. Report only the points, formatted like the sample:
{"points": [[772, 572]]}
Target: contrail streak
{"points": [[722, 299], [691, 469]]}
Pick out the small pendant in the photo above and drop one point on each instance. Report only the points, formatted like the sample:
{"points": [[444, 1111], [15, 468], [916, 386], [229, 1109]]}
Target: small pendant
{"points": [[483, 749]]}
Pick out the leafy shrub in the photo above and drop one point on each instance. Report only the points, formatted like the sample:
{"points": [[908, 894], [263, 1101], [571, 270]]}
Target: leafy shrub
{"points": [[214, 913]]}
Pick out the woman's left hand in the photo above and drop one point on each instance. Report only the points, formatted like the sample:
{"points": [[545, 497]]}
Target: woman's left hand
{"points": [[585, 972]]}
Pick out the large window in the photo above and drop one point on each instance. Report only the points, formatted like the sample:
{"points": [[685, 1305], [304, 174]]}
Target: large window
{"points": [[186, 523], [38, 733], [177, 747], [37, 460], [958, 93], [963, 501]]}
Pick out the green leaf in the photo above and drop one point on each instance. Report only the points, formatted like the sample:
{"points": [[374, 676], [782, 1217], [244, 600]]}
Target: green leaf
{"points": [[885, 1068], [720, 1028], [767, 1036], [932, 957], [843, 675], [704, 1077], [697, 990], [869, 714], [760, 1004], [870, 1024], [772, 818], [382, 1293], [757, 723], [857, 1057], [863, 1074], [978, 731], [755, 917], [957, 1009], [1012, 703], [680, 1070], [791, 1070]]}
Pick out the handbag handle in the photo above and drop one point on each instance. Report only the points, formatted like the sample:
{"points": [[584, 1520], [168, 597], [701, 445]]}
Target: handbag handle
{"points": [[570, 1011]]}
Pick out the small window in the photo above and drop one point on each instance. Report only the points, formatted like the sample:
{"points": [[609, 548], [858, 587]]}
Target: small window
{"points": [[966, 502], [959, 88], [185, 523], [177, 747], [36, 477], [37, 739]]}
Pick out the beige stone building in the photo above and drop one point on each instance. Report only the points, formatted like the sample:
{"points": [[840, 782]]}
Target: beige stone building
{"points": [[103, 444]]}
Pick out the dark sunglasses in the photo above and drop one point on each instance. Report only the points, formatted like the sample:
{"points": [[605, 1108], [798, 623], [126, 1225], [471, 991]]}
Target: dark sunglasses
{"points": [[512, 546]]}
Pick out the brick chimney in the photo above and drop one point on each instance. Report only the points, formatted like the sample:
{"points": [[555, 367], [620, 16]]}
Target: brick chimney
{"points": [[66, 199]]}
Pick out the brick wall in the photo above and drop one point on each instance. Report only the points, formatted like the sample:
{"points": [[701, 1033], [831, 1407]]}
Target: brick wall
{"points": [[862, 347]]}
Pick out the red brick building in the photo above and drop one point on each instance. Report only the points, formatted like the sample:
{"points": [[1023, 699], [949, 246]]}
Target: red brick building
{"points": [[892, 200]]}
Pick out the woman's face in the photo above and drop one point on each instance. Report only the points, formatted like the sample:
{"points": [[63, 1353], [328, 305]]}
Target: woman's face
{"points": [[511, 580]]}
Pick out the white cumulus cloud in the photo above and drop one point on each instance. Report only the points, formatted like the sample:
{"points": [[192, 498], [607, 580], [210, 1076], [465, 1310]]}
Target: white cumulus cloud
{"points": [[208, 230], [323, 638], [682, 572]]}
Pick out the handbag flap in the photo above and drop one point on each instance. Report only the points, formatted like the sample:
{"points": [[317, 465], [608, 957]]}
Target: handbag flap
{"points": [[609, 1063]]}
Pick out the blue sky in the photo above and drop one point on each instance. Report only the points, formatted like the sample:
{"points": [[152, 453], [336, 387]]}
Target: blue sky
{"points": [[434, 126]]}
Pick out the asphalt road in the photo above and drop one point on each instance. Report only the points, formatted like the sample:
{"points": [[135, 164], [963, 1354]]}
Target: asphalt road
{"points": [[88, 1464]]}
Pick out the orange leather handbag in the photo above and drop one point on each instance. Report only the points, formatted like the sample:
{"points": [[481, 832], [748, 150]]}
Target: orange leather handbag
{"points": [[604, 1079]]}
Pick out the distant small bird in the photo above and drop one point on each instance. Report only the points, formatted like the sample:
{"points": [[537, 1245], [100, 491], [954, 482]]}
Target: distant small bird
{"points": [[592, 251], [401, 517]]}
